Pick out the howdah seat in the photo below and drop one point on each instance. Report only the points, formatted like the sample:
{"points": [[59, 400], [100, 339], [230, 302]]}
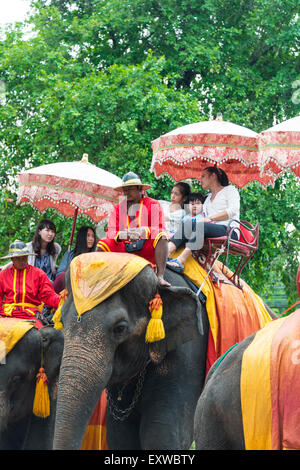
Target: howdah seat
{"points": [[244, 247]]}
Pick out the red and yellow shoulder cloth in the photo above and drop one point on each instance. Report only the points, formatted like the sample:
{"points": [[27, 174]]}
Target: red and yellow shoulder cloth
{"points": [[270, 386]]}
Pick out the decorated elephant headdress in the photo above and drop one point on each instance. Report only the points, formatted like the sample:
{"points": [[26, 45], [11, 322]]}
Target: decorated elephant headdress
{"points": [[97, 276]]}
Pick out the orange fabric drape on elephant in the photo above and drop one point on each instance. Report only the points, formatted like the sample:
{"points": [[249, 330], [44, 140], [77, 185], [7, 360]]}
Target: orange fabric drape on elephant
{"points": [[270, 387], [95, 434], [233, 313], [240, 313]]}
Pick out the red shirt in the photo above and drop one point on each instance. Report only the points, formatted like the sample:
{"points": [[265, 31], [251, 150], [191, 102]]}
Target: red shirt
{"points": [[22, 291], [149, 214]]}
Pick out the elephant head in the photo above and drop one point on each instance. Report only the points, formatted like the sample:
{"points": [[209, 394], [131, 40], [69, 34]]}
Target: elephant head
{"points": [[18, 372], [107, 346]]}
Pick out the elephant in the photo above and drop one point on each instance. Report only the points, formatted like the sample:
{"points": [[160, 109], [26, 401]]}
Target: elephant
{"points": [[20, 429], [153, 388], [218, 420]]}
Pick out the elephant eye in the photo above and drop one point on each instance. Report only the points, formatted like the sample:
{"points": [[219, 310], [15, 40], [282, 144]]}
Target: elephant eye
{"points": [[120, 329], [16, 379]]}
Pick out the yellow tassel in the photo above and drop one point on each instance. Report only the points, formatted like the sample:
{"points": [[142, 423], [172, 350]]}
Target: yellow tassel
{"points": [[56, 319], [41, 404], [155, 329], [63, 295]]}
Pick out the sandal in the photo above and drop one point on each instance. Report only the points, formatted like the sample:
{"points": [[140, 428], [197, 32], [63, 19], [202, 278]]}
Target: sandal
{"points": [[177, 269]]}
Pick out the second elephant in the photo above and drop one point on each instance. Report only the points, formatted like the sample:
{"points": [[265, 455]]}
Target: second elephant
{"points": [[19, 427]]}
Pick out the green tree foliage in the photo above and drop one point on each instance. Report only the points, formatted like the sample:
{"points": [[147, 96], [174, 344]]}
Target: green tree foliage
{"points": [[108, 77], [277, 260], [242, 55]]}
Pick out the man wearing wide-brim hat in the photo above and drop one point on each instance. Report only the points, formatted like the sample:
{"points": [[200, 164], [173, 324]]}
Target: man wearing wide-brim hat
{"points": [[136, 225], [24, 288]]}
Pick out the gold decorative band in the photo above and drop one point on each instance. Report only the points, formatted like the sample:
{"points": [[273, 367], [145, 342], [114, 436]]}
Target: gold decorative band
{"points": [[13, 250], [132, 181]]}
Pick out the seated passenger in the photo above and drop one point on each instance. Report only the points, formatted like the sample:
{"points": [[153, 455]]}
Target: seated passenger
{"points": [[195, 208], [45, 250], [176, 210], [23, 288], [220, 206], [194, 215], [136, 225], [85, 242]]}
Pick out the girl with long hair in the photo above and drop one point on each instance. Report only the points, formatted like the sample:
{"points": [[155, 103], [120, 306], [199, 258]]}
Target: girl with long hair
{"points": [[45, 248], [175, 211], [85, 242]]}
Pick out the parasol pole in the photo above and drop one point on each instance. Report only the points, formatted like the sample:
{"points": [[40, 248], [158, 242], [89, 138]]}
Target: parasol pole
{"points": [[73, 228], [85, 159]]}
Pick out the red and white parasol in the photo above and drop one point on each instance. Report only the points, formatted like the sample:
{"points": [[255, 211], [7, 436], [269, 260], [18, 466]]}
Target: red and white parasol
{"points": [[184, 152], [279, 148], [71, 188]]}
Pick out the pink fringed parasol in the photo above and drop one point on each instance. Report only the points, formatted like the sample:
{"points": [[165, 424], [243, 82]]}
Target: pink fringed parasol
{"points": [[71, 188], [184, 152], [279, 148]]}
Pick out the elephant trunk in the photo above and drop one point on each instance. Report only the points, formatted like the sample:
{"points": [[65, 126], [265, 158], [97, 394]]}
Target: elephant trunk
{"points": [[84, 374]]}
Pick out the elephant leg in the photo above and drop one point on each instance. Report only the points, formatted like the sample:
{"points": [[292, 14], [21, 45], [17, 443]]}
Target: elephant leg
{"points": [[218, 417], [12, 438], [209, 427], [168, 407], [160, 428], [151, 430], [122, 435], [164, 416], [218, 421]]}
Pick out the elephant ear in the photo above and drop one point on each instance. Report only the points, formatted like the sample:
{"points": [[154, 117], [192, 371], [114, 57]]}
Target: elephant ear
{"points": [[182, 319]]}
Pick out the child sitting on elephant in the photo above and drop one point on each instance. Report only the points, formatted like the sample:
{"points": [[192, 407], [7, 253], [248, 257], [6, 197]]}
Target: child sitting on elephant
{"points": [[190, 220]]}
